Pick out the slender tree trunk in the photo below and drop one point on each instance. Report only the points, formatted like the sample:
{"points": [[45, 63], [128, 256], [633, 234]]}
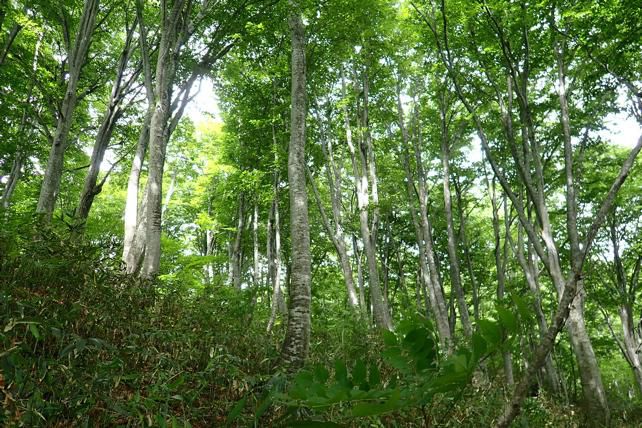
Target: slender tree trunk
{"points": [[632, 343], [8, 42], [360, 172], [297, 338], [500, 270], [360, 281], [77, 58], [238, 240], [464, 241], [208, 269], [435, 297], [133, 214], [90, 187], [14, 176], [592, 387], [337, 234], [256, 273], [278, 300], [337, 238], [455, 273], [525, 259], [170, 192], [507, 356], [428, 242], [110, 117], [434, 291]]}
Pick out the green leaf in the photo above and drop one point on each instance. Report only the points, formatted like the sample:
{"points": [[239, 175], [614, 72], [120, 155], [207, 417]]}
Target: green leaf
{"points": [[490, 331], [321, 374], [389, 338], [359, 373], [479, 345], [507, 319], [236, 411], [263, 406], [394, 357], [34, 331], [341, 372], [374, 377], [377, 408]]}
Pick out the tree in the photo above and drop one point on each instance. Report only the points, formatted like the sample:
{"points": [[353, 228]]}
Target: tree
{"points": [[77, 56], [297, 339]]}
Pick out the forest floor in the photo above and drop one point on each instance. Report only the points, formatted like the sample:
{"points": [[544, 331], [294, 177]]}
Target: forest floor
{"points": [[83, 345]]}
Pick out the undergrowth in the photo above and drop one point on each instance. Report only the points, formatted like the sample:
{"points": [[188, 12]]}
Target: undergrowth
{"points": [[82, 344]]}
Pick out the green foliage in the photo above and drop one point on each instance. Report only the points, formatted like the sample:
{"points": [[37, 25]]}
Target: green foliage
{"points": [[82, 344], [414, 375]]}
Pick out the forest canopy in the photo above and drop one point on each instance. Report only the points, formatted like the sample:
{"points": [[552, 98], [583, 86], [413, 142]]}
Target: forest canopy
{"points": [[334, 213]]}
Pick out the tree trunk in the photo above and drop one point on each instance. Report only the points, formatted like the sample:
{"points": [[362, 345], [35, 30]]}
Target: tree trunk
{"points": [[14, 176], [360, 280], [297, 338], [235, 261], [256, 273], [278, 301], [464, 241], [159, 130], [77, 58], [592, 387], [632, 344], [434, 291], [360, 174], [139, 243], [11, 37], [455, 273], [435, 296], [525, 259], [170, 192], [111, 116], [133, 214], [429, 247], [18, 161], [627, 289], [337, 234]]}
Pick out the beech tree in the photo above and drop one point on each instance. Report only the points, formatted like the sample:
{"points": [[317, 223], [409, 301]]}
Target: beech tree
{"points": [[297, 339], [473, 239]]}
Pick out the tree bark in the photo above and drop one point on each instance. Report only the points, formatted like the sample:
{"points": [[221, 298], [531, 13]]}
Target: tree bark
{"points": [[77, 58], [591, 378], [256, 273], [500, 271], [360, 175], [463, 237], [235, 261], [627, 289], [333, 174], [428, 242], [434, 292], [168, 49], [133, 214], [455, 273], [112, 114], [278, 301], [297, 339]]}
